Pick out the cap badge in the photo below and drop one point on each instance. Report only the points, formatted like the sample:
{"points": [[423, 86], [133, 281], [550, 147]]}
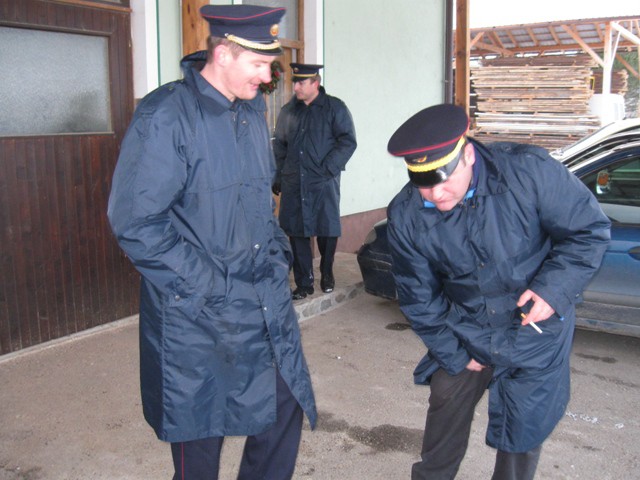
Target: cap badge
{"points": [[275, 29]]}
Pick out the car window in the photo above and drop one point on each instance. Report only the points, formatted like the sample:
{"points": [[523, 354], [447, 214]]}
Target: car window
{"points": [[605, 145], [617, 188]]}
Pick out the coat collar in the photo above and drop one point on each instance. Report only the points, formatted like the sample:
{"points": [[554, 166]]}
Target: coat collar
{"points": [[319, 101], [491, 181]]}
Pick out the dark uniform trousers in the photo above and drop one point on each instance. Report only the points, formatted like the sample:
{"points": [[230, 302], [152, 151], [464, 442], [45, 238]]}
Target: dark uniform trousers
{"points": [[270, 455], [303, 258], [446, 435]]}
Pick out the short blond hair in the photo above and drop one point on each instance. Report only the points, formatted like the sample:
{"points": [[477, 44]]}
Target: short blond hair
{"points": [[213, 42]]}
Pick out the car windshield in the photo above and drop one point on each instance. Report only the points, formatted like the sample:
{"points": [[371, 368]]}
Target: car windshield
{"points": [[610, 135], [605, 146]]}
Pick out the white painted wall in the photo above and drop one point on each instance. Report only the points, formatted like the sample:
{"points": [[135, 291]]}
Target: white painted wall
{"points": [[314, 31], [170, 38], [144, 44], [385, 60]]}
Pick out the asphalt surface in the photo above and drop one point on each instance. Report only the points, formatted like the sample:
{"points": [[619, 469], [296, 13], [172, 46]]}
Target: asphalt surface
{"points": [[71, 410]]}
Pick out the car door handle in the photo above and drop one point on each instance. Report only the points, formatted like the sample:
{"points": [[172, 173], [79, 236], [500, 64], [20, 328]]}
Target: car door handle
{"points": [[635, 253]]}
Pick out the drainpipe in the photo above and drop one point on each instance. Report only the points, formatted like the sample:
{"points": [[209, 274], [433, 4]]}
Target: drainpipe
{"points": [[448, 52]]}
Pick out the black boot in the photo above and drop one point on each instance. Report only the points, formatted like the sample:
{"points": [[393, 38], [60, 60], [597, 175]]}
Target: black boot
{"points": [[327, 283], [301, 292]]}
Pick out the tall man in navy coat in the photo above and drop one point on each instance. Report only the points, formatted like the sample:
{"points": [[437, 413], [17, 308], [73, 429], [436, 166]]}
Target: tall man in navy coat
{"points": [[488, 242], [191, 205]]}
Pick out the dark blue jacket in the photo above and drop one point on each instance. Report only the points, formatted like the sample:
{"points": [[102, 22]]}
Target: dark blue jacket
{"points": [[312, 145], [530, 225], [191, 206]]}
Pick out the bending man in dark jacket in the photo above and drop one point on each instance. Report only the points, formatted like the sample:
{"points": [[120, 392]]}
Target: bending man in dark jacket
{"points": [[486, 243], [191, 206], [314, 140]]}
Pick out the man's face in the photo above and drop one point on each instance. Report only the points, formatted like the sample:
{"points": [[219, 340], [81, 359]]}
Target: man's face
{"points": [[306, 90], [244, 74], [446, 195]]}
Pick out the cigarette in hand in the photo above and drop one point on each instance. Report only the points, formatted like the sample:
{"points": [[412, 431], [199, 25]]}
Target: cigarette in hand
{"points": [[535, 327]]}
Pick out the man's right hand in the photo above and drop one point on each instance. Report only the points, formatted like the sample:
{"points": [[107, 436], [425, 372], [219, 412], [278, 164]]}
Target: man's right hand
{"points": [[475, 366]]}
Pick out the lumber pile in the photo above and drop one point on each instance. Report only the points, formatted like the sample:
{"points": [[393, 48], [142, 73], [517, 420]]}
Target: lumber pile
{"points": [[539, 100], [619, 81]]}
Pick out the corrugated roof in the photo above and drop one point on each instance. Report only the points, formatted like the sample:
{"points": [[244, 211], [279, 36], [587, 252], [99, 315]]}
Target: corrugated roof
{"points": [[553, 37]]}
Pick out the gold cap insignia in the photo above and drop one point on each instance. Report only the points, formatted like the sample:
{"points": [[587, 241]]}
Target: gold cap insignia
{"points": [[275, 29]]}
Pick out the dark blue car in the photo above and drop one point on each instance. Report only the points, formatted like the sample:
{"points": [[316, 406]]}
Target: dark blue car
{"points": [[608, 162]]}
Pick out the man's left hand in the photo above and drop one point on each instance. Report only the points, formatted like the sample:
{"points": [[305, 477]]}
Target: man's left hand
{"points": [[540, 310]]}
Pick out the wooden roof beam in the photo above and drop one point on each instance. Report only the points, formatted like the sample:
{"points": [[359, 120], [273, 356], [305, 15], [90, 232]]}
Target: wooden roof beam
{"points": [[532, 35], [555, 36], [585, 47], [476, 39], [598, 29], [496, 40], [494, 49]]}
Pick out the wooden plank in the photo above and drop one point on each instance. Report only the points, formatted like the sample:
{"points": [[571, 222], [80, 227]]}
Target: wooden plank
{"points": [[534, 101]]}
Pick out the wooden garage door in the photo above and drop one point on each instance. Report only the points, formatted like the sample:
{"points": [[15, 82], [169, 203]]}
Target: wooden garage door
{"points": [[65, 103]]}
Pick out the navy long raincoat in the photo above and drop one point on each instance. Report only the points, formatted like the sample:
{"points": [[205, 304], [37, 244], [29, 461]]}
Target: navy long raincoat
{"points": [[191, 206], [312, 145], [530, 225]]}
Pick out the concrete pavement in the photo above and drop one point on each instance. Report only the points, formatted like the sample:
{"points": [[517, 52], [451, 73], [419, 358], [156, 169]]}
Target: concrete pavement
{"points": [[71, 410]]}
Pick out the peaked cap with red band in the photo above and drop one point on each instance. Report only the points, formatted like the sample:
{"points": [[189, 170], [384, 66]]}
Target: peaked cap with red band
{"points": [[302, 71], [431, 143], [251, 26]]}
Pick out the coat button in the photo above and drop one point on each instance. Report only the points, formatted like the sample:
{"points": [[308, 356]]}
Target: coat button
{"points": [[177, 298]]}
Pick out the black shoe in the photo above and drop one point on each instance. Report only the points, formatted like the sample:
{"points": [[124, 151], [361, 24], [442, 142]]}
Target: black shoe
{"points": [[327, 284], [301, 292]]}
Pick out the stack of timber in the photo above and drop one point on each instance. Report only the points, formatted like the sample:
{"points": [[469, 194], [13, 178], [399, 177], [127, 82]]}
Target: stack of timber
{"points": [[541, 100], [619, 82]]}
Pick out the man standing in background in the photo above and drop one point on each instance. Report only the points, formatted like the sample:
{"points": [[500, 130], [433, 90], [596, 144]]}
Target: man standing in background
{"points": [[314, 139]]}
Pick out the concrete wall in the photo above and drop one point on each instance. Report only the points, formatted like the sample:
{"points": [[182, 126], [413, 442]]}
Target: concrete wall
{"points": [[386, 61], [169, 40], [144, 46]]}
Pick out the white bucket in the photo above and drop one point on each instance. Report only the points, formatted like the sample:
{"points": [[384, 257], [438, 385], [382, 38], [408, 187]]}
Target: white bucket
{"points": [[609, 107]]}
